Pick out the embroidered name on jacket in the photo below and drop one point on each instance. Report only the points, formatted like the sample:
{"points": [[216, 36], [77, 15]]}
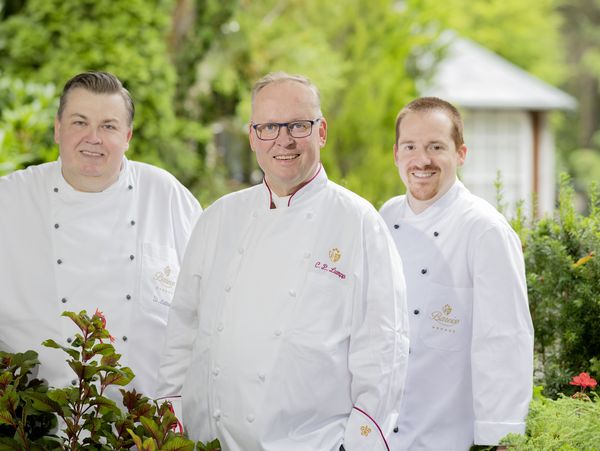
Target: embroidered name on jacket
{"points": [[334, 256]]}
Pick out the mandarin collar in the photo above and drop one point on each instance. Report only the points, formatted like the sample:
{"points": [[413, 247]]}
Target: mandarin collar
{"points": [[304, 193]]}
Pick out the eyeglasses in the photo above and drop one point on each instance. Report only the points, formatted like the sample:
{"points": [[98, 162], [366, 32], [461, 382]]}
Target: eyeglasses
{"points": [[297, 129]]}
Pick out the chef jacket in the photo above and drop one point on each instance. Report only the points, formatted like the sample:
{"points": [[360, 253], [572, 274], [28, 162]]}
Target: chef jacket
{"points": [[471, 355], [288, 330], [118, 251]]}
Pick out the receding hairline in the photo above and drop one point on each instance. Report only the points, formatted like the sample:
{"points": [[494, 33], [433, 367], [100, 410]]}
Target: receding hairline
{"points": [[430, 105], [280, 77]]}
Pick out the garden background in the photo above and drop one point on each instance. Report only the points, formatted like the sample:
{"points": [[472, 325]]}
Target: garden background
{"points": [[190, 65]]}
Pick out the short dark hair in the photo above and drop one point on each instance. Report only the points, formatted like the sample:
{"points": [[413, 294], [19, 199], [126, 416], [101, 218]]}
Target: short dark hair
{"points": [[98, 83], [426, 104]]}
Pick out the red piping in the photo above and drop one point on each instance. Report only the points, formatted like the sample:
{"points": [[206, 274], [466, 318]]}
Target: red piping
{"points": [[375, 423]]}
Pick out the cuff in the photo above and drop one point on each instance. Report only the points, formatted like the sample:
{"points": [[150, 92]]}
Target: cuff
{"points": [[490, 433], [363, 433]]}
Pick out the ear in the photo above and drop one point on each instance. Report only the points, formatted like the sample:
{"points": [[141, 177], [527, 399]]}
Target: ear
{"points": [[56, 129], [396, 154], [251, 136], [129, 135], [322, 132], [462, 155]]}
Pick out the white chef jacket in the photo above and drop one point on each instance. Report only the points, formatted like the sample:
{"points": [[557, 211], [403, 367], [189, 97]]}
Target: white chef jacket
{"points": [[118, 251], [471, 354], [288, 330]]}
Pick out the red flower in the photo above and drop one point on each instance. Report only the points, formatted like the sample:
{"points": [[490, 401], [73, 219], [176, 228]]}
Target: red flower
{"points": [[100, 315], [584, 381]]}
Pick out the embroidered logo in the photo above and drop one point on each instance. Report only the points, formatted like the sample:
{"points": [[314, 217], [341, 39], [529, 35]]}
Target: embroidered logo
{"points": [[162, 277], [335, 255], [365, 430], [445, 321]]}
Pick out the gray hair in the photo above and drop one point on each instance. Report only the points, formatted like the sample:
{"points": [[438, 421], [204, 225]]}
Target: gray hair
{"points": [[280, 77]]}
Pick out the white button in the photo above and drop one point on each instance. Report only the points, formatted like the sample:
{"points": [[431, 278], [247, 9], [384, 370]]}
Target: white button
{"points": [[254, 214], [220, 327], [228, 288], [216, 371], [250, 418], [261, 376], [217, 414], [277, 333], [307, 255], [293, 293], [241, 250], [309, 215]]}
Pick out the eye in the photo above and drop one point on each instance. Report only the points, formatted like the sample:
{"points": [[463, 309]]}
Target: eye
{"points": [[78, 123], [408, 147], [110, 126], [436, 147], [300, 126], [268, 127]]}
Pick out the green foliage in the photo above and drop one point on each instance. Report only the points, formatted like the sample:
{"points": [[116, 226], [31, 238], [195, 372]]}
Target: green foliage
{"points": [[562, 257], [26, 114], [89, 419], [562, 424]]}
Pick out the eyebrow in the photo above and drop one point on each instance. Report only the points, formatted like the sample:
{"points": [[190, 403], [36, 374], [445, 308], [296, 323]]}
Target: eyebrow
{"points": [[104, 121]]}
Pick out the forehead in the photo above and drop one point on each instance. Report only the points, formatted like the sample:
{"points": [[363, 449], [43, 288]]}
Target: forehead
{"points": [[284, 101], [97, 105], [430, 125]]}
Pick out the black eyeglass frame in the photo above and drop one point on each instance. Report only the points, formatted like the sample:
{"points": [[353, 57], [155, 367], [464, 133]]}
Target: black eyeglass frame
{"points": [[287, 125]]}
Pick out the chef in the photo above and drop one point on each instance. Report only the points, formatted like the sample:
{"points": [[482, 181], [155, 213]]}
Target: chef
{"points": [[288, 328], [92, 231], [470, 368]]}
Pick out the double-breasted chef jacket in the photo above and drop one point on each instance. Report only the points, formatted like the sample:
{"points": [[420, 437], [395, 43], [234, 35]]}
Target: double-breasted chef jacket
{"points": [[288, 330], [471, 354], [118, 251]]}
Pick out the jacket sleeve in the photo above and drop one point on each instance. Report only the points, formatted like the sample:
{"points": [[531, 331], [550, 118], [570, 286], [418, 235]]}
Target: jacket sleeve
{"points": [[182, 324], [502, 342], [379, 341]]}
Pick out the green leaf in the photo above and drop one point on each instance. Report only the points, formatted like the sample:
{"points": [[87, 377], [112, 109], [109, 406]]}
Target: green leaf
{"points": [[177, 443], [80, 319], [6, 418], [151, 427], [42, 402], [71, 351]]}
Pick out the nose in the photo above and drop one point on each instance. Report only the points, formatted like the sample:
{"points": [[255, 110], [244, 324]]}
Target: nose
{"points": [[422, 157], [92, 136], [284, 139]]}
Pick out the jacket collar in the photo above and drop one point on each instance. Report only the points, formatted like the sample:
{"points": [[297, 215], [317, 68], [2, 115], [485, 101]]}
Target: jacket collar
{"points": [[306, 191]]}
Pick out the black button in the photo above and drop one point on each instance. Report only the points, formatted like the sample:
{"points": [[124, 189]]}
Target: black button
{"points": [[130, 187], [424, 271], [56, 190], [436, 233], [124, 338], [69, 340], [396, 430], [131, 257], [396, 226], [416, 311], [128, 297], [132, 222], [59, 261], [56, 226], [74, 382], [63, 300]]}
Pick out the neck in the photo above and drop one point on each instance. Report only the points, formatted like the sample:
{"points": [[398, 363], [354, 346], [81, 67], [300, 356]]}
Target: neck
{"points": [[89, 184]]}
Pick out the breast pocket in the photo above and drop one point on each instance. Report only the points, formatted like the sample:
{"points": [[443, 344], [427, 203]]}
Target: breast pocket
{"points": [[447, 322], [160, 268]]}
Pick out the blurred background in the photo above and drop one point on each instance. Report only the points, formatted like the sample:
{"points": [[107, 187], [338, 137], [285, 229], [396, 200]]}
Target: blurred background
{"points": [[525, 74]]}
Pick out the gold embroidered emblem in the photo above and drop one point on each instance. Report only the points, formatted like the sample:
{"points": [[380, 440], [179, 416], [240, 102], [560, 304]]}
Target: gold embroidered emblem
{"points": [[446, 309], [335, 254], [365, 430]]}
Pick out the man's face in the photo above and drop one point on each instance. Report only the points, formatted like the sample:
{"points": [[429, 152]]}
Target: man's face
{"points": [[92, 134], [426, 156], [286, 161]]}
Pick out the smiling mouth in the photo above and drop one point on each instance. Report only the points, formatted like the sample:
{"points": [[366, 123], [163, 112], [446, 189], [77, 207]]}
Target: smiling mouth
{"points": [[287, 157], [89, 153], [423, 174]]}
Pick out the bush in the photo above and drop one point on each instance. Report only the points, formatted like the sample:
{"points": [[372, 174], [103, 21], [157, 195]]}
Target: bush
{"points": [[562, 258], [29, 409]]}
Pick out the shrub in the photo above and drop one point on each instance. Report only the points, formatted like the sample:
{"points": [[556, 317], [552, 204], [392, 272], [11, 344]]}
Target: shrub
{"points": [[562, 258], [29, 409]]}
